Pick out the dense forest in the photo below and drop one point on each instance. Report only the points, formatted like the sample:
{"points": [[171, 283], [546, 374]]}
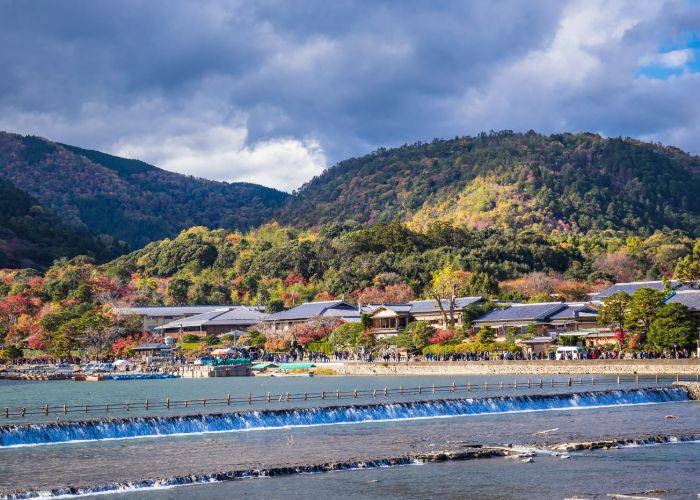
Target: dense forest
{"points": [[569, 182], [275, 264], [508, 216], [127, 199], [32, 236], [71, 304]]}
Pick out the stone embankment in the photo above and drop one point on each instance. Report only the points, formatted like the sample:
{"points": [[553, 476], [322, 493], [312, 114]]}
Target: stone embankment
{"points": [[693, 389], [661, 367]]}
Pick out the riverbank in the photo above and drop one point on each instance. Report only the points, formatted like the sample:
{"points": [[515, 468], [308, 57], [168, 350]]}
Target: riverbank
{"points": [[665, 367]]}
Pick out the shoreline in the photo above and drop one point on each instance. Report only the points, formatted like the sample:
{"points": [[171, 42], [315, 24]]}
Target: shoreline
{"points": [[664, 367]]}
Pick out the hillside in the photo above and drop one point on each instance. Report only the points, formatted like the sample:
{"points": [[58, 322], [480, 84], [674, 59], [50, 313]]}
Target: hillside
{"points": [[32, 236], [575, 182], [127, 199]]}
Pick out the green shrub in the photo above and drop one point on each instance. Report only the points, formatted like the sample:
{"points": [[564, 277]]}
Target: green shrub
{"points": [[191, 338], [212, 340], [320, 347]]}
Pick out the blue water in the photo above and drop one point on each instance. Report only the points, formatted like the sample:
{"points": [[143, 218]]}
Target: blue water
{"points": [[666, 471], [65, 432]]}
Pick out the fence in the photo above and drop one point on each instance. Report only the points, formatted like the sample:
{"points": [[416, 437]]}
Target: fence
{"points": [[269, 398]]}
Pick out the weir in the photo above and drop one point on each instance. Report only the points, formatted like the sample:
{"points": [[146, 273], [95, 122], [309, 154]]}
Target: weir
{"points": [[124, 428], [469, 452]]}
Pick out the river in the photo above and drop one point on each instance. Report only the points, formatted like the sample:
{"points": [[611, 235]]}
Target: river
{"points": [[590, 473]]}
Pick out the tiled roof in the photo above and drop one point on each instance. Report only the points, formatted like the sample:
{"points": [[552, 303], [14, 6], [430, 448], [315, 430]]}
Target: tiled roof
{"points": [[397, 308], [574, 310], [308, 310], [165, 311], [633, 286], [690, 298], [429, 306], [151, 347], [523, 312], [226, 316]]}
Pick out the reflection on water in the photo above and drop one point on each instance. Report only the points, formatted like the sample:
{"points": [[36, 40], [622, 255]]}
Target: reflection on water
{"points": [[667, 471]]}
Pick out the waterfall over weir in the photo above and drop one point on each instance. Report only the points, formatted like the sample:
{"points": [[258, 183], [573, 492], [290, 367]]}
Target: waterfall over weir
{"points": [[124, 428]]}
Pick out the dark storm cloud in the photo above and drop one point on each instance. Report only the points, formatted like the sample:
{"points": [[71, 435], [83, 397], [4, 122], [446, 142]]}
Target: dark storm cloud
{"points": [[274, 91]]}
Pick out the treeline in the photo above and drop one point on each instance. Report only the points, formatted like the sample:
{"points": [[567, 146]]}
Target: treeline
{"points": [[281, 266], [32, 236], [572, 182], [128, 200], [70, 306]]}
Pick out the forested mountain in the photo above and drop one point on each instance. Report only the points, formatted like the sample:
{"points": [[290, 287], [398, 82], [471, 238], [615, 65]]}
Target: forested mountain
{"points": [[574, 182], [32, 236], [127, 199]]}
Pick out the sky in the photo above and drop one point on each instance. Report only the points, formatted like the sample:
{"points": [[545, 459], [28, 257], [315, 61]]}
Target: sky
{"points": [[274, 92]]}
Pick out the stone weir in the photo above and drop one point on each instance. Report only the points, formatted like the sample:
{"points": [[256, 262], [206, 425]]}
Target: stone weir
{"points": [[693, 389], [465, 452], [160, 426]]}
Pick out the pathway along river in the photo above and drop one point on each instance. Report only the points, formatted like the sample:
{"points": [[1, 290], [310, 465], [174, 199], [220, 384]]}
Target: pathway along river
{"points": [[124, 460]]}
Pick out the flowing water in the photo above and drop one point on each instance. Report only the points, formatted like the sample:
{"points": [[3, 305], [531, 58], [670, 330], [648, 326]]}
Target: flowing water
{"points": [[106, 451]]}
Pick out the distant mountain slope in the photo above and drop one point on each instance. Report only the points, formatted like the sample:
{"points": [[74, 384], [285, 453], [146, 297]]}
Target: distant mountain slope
{"points": [[32, 236], [128, 199], [572, 181]]}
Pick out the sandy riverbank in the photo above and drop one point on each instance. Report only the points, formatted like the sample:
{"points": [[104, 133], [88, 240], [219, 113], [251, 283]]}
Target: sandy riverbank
{"points": [[667, 367]]}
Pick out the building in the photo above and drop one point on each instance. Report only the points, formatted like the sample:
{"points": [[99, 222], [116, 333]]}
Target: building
{"points": [[338, 309], [429, 311], [548, 318], [689, 298], [633, 286], [391, 319], [574, 317], [154, 351], [153, 316], [215, 322]]}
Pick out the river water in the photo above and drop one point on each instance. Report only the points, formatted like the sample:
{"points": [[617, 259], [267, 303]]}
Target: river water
{"points": [[672, 467]]}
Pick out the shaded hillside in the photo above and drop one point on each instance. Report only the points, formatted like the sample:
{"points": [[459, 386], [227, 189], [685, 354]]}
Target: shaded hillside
{"points": [[578, 182], [128, 199], [32, 236]]}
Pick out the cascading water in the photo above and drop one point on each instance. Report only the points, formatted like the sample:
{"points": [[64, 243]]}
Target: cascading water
{"points": [[63, 432]]}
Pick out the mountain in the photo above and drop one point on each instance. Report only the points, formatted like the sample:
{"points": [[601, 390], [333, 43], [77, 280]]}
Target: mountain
{"points": [[32, 236], [574, 182], [127, 199]]}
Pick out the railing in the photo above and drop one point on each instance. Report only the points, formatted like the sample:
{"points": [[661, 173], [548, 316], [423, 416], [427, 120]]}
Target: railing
{"points": [[285, 397]]}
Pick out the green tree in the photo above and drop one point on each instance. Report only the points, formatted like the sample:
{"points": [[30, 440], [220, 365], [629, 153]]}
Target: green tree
{"points": [[11, 352], [613, 311], [366, 321], [345, 336], [643, 306], [672, 326], [688, 268], [176, 293], [419, 333]]}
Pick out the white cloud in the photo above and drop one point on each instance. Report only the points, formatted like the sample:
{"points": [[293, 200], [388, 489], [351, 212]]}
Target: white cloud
{"points": [[220, 152], [673, 59]]}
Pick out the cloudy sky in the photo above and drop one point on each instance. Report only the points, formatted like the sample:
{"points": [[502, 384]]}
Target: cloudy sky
{"points": [[274, 92]]}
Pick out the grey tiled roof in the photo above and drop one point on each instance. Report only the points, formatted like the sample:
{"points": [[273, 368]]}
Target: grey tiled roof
{"points": [[151, 347], [523, 312], [690, 298], [308, 310], [226, 316], [397, 308], [429, 306], [633, 286], [574, 310], [166, 311]]}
